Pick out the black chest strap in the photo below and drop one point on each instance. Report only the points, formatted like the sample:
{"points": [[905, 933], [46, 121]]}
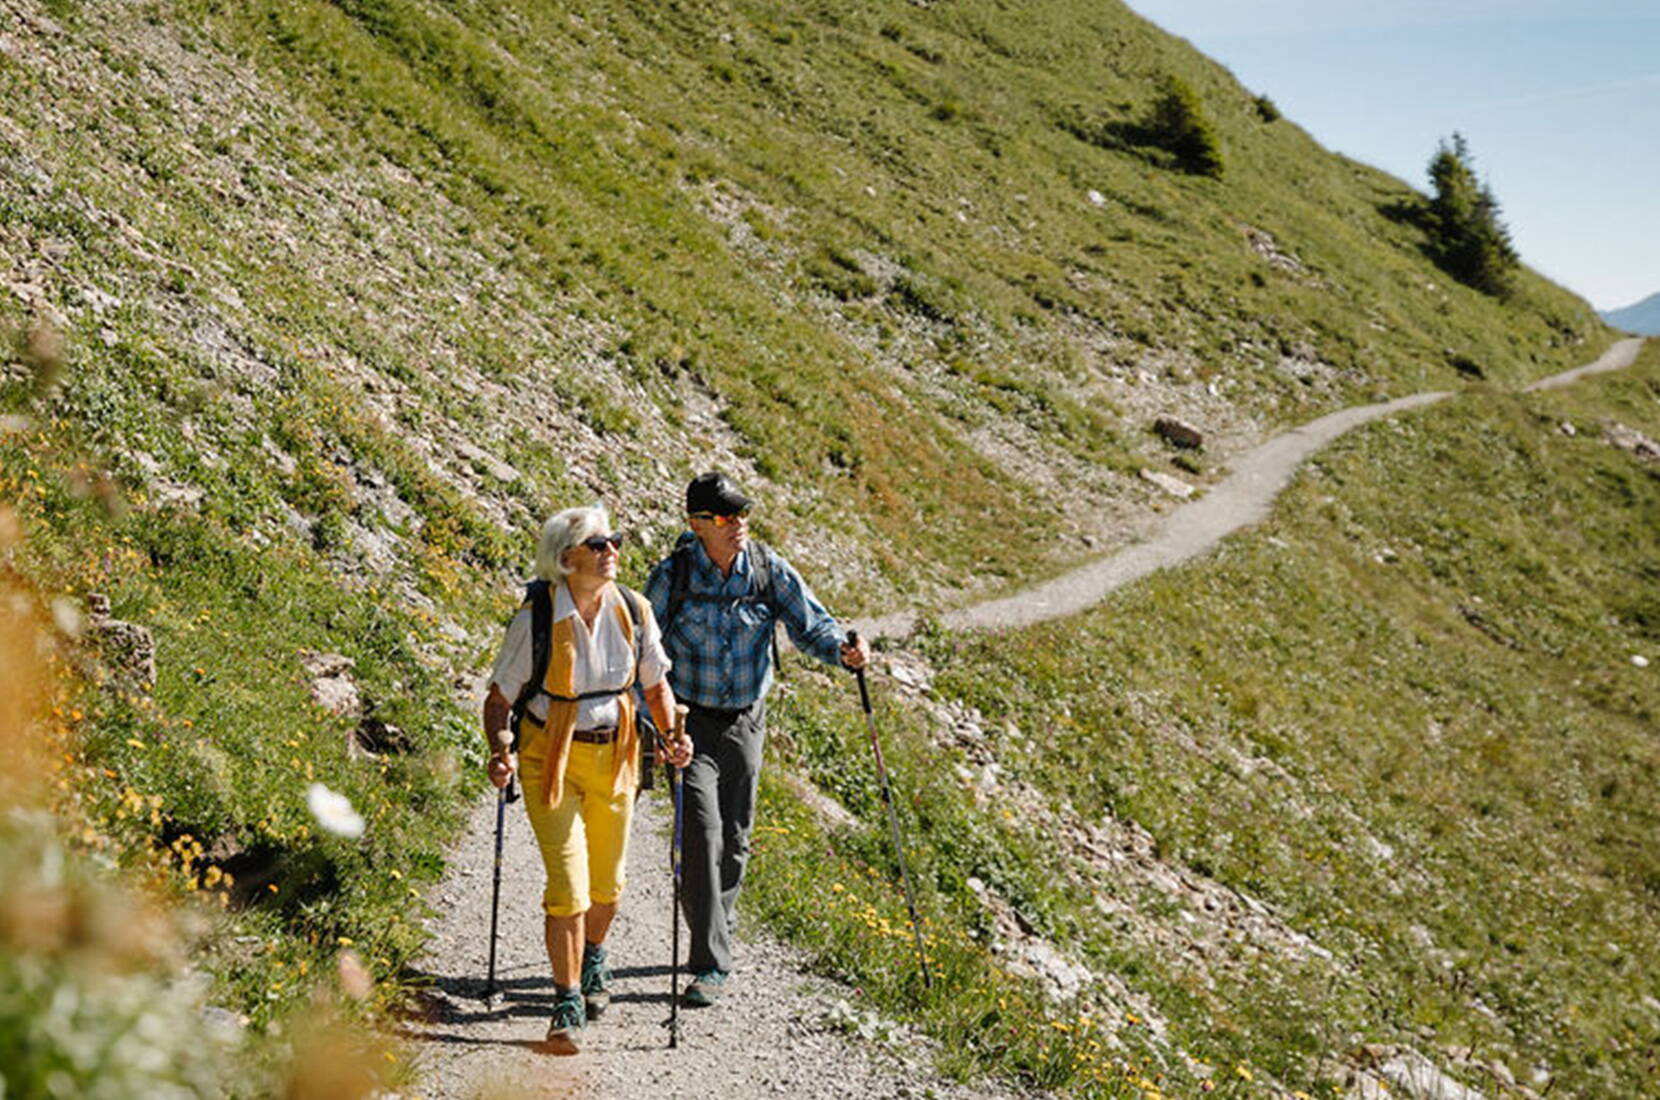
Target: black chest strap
{"points": [[539, 595]]}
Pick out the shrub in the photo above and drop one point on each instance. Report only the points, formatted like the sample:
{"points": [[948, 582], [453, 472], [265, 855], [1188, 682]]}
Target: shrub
{"points": [[1467, 238], [1179, 125], [1266, 108]]}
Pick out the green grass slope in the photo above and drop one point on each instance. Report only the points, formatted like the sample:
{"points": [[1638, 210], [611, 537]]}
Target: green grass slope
{"points": [[320, 307], [1412, 716], [865, 236]]}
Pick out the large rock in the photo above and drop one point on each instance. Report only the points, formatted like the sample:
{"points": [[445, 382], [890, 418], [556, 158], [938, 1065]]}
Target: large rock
{"points": [[1400, 1073], [1175, 486], [487, 462], [1263, 244], [1179, 433], [332, 686], [1016, 942], [376, 737], [127, 649], [1630, 439]]}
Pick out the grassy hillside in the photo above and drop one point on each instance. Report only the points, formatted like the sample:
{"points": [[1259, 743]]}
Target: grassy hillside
{"points": [[1411, 718], [853, 250], [320, 307]]}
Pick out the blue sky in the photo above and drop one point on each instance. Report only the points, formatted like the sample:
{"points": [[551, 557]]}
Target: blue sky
{"points": [[1560, 102]]}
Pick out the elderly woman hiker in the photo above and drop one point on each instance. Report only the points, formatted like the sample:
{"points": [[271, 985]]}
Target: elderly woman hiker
{"points": [[578, 750]]}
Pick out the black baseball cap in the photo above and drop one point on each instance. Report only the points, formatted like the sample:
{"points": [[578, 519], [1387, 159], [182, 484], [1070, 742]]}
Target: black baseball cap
{"points": [[715, 493]]}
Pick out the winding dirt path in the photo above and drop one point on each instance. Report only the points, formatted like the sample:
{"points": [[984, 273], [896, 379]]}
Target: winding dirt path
{"points": [[779, 1031], [1195, 528]]}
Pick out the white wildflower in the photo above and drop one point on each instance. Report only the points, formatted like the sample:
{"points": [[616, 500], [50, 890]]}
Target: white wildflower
{"points": [[67, 616], [334, 811]]}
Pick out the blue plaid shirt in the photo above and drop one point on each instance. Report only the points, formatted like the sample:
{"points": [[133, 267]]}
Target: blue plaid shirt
{"points": [[721, 650]]}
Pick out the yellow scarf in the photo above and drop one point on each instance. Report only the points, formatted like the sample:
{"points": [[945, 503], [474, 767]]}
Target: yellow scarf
{"points": [[560, 683]]}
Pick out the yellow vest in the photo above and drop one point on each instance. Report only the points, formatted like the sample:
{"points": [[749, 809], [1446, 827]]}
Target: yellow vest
{"points": [[560, 685]]}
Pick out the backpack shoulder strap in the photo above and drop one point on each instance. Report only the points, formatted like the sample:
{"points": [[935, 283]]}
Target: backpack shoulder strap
{"points": [[760, 565], [636, 611], [648, 736], [760, 583], [539, 595], [680, 581]]}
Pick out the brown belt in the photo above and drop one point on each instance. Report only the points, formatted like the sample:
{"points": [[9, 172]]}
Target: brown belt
{"points": [[595, 737]]}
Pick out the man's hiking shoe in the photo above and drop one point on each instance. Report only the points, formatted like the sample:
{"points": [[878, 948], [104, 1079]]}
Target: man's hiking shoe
{"points": [[565, 1028], [705, 989], [596, 978]]}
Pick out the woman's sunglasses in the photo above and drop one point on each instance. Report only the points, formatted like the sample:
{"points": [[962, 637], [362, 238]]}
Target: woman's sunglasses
{"points": [[722, 520], [599, 542]]}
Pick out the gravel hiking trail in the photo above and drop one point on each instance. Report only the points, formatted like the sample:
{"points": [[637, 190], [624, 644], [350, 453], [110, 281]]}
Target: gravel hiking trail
{"points": [[1243, 498], [778, 1031]]}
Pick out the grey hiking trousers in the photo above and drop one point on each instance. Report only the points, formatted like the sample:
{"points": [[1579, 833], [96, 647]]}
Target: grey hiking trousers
{"points": [[718, 803]]}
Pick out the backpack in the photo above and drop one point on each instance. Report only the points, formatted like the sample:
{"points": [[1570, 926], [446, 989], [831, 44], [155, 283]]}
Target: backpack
{"points": [[760, 584], [539, 594]]}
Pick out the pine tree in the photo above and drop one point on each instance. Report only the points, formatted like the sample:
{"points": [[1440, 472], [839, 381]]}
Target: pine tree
{"points": [[1467, 238], [1178, 123]]}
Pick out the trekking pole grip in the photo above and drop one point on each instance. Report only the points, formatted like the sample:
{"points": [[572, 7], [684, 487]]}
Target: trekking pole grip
{"points": [[673, 733], [504, 740], [859, 674]]}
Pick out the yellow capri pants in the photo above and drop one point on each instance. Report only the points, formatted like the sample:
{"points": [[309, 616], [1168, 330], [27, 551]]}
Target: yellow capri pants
{"points": [[584, 840]]}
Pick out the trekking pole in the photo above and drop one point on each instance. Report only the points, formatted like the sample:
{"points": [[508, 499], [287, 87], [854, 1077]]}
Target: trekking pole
{"points": [[503, 796], [893, 815], [676, 846]]}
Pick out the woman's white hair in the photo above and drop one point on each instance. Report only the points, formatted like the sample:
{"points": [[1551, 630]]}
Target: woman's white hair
{"points": [[564, 530]]}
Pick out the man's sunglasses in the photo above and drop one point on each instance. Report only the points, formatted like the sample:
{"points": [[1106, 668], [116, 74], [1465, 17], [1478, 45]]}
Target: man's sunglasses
{"points": [[720, 520], [599, 542]]}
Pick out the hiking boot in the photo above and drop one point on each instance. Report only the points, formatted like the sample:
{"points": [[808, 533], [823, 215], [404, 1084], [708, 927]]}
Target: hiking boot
{"points": [[596, 978], [565, 1028], [705, 989]]}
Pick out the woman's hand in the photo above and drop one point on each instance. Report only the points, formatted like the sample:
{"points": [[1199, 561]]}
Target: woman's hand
{"points": [[496, 713]]}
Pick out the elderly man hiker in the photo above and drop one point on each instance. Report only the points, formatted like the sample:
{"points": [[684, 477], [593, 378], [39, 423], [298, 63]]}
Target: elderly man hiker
{"points": [[577, 747], [718, 596]]}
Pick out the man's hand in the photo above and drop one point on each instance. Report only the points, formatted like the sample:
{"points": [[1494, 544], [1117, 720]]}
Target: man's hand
{"points": [[857, 655], [676, 748], [501, 769]]}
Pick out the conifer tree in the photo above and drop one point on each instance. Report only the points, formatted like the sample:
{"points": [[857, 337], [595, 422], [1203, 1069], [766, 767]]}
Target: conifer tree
{"points": [[1178, 123], [1467, 238]]}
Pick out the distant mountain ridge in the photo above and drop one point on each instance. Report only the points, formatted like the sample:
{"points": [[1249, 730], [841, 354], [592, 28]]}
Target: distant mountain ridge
{"points": [[1642, 318]]}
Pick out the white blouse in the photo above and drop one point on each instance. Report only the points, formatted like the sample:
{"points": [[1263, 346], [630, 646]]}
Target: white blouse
{"points": [[603, 657]]}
